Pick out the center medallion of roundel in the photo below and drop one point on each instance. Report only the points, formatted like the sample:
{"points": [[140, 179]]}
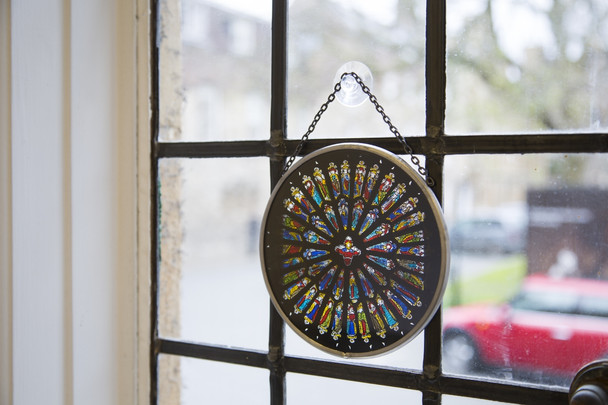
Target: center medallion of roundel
{"points": [[348, 250]]}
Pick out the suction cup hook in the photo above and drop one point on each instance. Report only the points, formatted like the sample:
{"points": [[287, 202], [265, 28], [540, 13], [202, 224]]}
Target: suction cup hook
{"points": [[351, 94]]}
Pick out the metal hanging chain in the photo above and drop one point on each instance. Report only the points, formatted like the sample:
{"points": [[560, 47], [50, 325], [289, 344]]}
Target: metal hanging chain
{"points": [[312, 125], [406, 147]]}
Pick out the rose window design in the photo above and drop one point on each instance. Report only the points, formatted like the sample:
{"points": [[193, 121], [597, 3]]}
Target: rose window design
{"points": [[354, 250]]}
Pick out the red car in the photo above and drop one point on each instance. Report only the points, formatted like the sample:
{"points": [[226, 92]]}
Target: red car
{"points": [[551, 329]]}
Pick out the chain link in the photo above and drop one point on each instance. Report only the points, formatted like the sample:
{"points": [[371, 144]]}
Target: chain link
{"points": [[312, 126], [372, 98]]}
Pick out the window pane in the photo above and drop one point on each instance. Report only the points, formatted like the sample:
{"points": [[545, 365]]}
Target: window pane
{"points": [[527, 66], [211, 285], [387, 36], [189, 381], [214, 70], [305, 389], [529, 270]]}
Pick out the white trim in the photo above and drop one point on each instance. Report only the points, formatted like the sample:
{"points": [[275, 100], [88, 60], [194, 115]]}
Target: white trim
{"points": [[6, 297], [74, 205], [40, 230], [144, 137]]}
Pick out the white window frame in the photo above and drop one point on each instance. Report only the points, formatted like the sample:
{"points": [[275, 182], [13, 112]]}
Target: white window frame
{"points": [[74, 202]]}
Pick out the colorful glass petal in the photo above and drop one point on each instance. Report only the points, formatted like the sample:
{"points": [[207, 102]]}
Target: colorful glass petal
{"points": [[305, 300], [393, 197], [295, 209], [411, 279], [359, 178], [293, 275], [321, 183], [384, 188], [299, 197], [334, 177], [371, 216], [417, 236], [312, 190], [345, 176], [403, 209], [371, 182], [411, 250], [320, 225], [294, 289], [325, 320], [384, 247], [316, 268], [412, 220]]}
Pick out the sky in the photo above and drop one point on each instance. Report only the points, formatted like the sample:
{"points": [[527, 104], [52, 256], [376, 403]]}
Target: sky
{"points": [[381, 10], [258, 8], [533, 26]]}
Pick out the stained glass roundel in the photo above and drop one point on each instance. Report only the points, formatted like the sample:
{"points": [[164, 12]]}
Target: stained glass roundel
{"points": [[354, 250]]}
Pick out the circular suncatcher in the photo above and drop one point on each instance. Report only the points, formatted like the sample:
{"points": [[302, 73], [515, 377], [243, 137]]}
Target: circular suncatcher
{"points": [[354, 250]]}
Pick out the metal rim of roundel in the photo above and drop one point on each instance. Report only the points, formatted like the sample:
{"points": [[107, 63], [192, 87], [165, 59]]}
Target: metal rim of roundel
{"points": [[354, 250]]}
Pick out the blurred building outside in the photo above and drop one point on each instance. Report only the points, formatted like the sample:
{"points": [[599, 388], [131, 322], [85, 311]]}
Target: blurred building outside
{"points": [[226, 95]]}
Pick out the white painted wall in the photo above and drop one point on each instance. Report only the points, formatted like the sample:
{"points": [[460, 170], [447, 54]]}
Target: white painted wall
{"points": [[74, 182]]}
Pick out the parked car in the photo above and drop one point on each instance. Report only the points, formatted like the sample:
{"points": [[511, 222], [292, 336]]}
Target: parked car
{"points": [[550, 329], [486, 235]]}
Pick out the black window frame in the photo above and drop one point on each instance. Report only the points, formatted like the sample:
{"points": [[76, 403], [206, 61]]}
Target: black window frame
{"points": [[435, 145]]}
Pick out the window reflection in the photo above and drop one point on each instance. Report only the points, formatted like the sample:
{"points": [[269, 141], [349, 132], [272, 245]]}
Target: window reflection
{"points": [[528, 296], [538, 336], [335, 391], [526, 66], [385, 35], [207, 283], [214, 71]]}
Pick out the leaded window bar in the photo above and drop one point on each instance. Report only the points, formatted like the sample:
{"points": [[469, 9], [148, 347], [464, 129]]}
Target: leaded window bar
{"points": [[435, 145]]}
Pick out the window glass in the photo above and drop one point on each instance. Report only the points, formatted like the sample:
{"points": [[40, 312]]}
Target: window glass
{"points": [[190, 381], [522, 66], [387, 36], [212, 287], [305, 389], [227, 99], [594, 306], [529, 234], [545, 301], [512, 307]]}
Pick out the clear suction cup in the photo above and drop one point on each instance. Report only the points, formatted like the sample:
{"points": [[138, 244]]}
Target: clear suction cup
{"points": [[351, 94]]}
